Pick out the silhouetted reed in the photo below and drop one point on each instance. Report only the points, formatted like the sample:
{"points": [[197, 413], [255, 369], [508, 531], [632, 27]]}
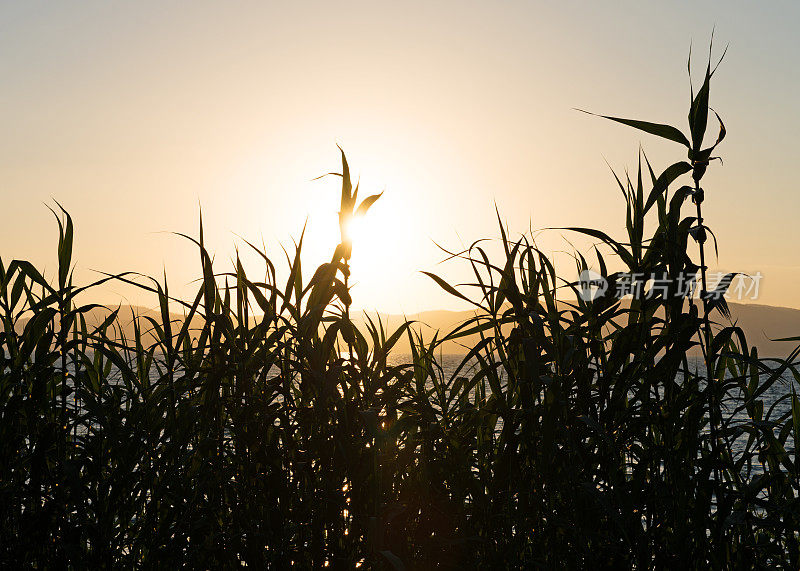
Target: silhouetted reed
{"points": [[265, 427]]}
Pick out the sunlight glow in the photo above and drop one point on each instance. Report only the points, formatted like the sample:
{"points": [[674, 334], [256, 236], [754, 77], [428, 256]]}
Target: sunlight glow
{"points": [[355, 230]]}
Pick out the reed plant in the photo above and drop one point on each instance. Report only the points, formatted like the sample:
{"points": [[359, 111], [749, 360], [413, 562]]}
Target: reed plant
{"points": [[264, 427]]}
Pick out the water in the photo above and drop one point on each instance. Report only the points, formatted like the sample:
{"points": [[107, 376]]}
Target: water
{"points": [[776, 399], [777, 403]]}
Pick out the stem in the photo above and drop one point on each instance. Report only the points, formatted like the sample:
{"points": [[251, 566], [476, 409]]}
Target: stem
{"points": [[703, 282], [347, 308], [713, 408]]}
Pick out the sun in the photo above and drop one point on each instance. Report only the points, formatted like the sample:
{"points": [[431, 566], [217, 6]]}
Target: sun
{"points": [[355, 231]]}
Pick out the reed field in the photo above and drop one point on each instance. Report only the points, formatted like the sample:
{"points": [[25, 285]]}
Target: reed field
{"points": [[266, 429]]}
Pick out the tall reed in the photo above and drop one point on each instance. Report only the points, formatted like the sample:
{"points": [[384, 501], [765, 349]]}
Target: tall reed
{"points": [[262, 426]]}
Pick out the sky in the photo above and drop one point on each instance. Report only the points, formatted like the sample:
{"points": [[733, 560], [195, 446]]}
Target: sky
{"points": [[134, 115]]}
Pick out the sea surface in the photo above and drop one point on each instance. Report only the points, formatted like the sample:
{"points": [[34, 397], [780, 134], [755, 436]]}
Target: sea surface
{"points": [[776, 399]]}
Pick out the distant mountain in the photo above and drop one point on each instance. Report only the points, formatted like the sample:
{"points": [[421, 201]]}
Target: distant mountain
{"points": [[761, 324]]}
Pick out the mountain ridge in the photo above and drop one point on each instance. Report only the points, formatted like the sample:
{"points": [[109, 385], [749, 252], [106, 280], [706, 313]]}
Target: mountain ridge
{"points": [[763, 324]]}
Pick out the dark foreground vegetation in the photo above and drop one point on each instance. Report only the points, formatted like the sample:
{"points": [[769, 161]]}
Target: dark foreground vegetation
{"points": [[266, 429]]}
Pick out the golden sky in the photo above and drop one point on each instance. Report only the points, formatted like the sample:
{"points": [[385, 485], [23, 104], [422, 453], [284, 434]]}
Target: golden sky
{"points": [[131, 114]]}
